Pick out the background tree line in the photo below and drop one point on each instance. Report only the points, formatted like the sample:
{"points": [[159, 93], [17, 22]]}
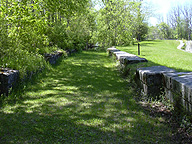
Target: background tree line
{"points": [[120, 22], [177, 26], [31, 28]]}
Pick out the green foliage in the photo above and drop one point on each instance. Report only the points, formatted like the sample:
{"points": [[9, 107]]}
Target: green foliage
{"points": [[165, 30], [25, 37], [31, 28], [142, 31], [161, 31], [23, 61], [154, 33], [119, 22], [178, 24]]}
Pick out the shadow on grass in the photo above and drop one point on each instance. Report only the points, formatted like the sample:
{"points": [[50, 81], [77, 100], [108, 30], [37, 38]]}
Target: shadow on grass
{"points": [[82, 100]]}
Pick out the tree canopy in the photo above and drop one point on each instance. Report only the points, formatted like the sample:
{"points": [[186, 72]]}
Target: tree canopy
{"points": [[31, 28], [177, 26]]}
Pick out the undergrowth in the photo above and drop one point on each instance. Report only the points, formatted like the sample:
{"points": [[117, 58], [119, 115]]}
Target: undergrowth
{"points": [[26, 61]]}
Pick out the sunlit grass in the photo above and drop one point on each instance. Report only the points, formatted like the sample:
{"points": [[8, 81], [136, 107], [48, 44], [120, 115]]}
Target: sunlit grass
{"points": [[163, 52], [82, 100]]}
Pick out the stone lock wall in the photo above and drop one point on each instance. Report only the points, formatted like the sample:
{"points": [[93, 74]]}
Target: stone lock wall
{"points": [[8, 79], [177, 86], [124, 57], [150, 79], [52, 58]]}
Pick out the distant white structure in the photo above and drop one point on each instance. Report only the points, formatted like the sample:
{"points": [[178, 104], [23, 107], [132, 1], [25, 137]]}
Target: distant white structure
{"points": [[189, 46], [181, 45]]}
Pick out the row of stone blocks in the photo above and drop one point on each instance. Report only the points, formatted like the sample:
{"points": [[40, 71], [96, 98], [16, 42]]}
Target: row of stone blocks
{"points": [[177, 86], [124, 57], [9, 77], [52, 58]]}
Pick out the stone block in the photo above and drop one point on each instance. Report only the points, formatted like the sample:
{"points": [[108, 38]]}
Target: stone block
{"points": [[151, 90], [121, 54], [71, 51], [131, 59], [8, 79], [169, 95], [152, 78], [152, 75], [112, 50], [181, 84], [52, 58], [173, 80]]}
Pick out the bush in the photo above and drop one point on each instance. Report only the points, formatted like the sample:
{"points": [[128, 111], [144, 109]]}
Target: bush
{"points": [[23, 61]]}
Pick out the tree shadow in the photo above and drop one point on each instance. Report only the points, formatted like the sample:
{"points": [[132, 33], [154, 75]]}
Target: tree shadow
{"points": [[82, 100]]}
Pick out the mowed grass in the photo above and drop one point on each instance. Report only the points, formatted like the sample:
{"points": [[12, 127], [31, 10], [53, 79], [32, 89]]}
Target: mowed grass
{"points": [[163, 52], [82, 100]]}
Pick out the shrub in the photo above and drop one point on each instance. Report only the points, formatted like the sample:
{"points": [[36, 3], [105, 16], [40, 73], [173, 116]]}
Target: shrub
{"points": [[23, 61]]}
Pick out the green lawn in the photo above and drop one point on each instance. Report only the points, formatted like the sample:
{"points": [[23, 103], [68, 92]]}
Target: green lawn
{"points": [[82, 100], [163, 52]]}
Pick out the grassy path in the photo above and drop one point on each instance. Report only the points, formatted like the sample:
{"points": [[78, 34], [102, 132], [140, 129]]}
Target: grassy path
{"points": [[83, 100]]}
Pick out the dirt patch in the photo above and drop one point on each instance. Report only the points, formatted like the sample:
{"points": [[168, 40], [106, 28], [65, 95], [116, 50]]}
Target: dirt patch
{"points": [[181, 126]]}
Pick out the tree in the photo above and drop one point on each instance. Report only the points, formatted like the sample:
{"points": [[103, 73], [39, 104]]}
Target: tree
{"points": [[180, 20], [29, 26], [119, 22], [165, 30], [154, 33], [187, 13]]}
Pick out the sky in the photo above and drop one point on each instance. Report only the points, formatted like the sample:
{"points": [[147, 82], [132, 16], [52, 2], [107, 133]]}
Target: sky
{"points": [[159, 8], [162, 7]]}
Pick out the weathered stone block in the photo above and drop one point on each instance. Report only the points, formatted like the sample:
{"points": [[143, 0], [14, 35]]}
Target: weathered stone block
{"points": [[169, 95], [121, 54], [8, 79], [71, 51], [131, 59], [112, 50], [152, 75], [52, 58], [151, 90], [181, 84], [152, 78]]}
